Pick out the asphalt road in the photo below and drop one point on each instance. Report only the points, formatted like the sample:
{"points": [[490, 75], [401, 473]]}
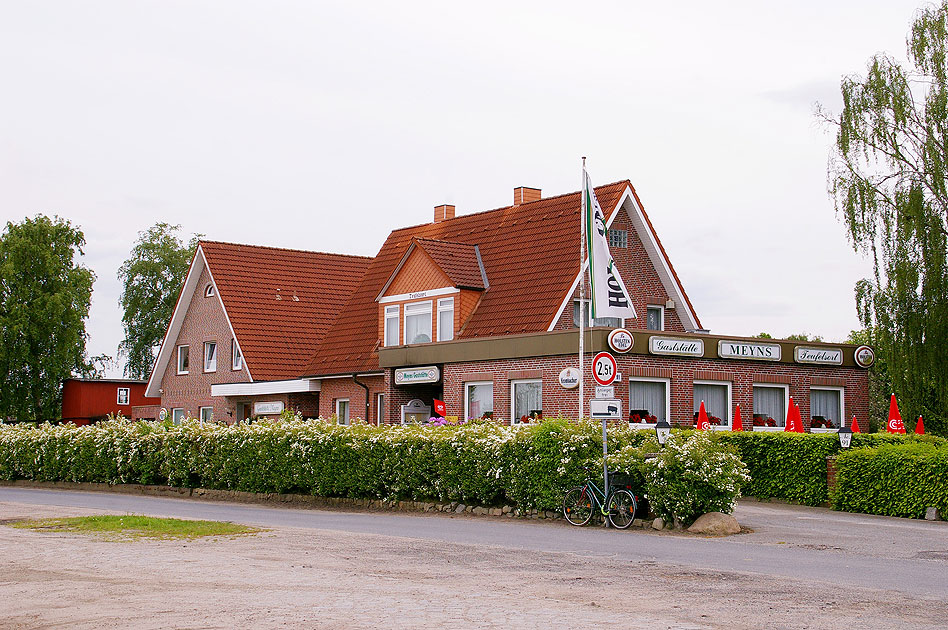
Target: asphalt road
{"points": [[800, 543]]}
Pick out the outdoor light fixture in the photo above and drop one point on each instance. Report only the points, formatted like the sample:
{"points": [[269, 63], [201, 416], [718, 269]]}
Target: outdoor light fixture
{"points": [[845, 436], [662, 429]]}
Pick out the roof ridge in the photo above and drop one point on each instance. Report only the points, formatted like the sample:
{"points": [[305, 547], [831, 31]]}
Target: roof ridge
{"points": [[282, 249]]}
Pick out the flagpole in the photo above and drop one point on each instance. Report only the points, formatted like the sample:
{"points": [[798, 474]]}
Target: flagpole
{"points": [[582, 287]]}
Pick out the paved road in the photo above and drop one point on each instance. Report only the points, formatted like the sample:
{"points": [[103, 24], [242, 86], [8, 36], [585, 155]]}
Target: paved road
{"points": [[895, 555]]}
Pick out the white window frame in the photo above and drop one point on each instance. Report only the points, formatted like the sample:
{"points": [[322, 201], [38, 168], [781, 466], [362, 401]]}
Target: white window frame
{"points": [[445, 305], [236, 356], [118, 396], [786, 404], [648, 379], [339, 418], [187, 350], [467, 401], [729, 404], [210, 411], [514, 418], [379, 407], [661, 315], [417, 306], [842, 407], [210, 364], [209, 290], [391, 312], [177, 415]]}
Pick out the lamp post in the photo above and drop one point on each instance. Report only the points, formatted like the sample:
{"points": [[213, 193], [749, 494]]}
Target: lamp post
{"points": [[845, 436], [662, 429]]}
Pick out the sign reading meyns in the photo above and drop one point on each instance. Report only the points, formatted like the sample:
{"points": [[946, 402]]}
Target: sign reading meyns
{"points": [[410, 376], [825, 356], [672, 345], [748, 350]]}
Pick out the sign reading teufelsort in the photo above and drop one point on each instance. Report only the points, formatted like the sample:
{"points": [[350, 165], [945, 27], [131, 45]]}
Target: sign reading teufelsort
{"points": [[827, 356]]}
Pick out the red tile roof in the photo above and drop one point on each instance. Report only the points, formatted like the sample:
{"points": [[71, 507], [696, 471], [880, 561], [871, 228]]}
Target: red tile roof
{"points": [[459, 261], [281, 302], [530, 253]]}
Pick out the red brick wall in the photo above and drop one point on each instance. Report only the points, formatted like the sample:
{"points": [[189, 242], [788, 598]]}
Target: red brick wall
{"points": [[333, 389]]}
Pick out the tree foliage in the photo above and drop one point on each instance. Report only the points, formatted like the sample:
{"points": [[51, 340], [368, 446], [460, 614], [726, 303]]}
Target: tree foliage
{"points": [[44, 300], [888, 174], [151, 277]]}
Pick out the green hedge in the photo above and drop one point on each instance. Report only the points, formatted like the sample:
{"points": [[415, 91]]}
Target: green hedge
{"points": [[893, 479]]}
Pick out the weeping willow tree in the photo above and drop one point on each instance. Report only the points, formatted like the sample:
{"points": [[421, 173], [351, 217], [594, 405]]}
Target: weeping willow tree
{"points": [[887, 175]]}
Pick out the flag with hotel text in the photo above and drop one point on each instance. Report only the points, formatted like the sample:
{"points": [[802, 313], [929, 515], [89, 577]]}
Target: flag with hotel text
{"points": [[609, 297]]}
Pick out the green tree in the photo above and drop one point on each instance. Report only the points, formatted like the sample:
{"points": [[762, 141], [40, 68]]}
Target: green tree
{"points": [[151, 277], [44, 300], [888, 175]]}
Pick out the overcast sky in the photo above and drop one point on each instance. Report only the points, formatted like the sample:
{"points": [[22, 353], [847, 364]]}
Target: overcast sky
{"points": [[325, 125]]}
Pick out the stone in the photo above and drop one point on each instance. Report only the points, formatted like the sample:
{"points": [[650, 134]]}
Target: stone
{"points": [[496, 512], [931, 514], [460, 508], [715, 524], [658, 523], [480, 511], [638, 522], [507, 509]]}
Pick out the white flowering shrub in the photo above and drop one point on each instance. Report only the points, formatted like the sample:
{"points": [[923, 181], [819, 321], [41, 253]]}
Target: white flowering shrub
{"points": [[694, 474]]}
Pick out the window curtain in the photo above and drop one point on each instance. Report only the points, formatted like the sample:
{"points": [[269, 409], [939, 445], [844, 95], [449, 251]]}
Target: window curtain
{"points": [[418, 328], [715, 400], [648, 395], [824, 402], [769, 401], [527, 398]]}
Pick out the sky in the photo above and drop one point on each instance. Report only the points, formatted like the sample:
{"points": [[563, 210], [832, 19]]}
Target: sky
{"points": [[325, 125]]}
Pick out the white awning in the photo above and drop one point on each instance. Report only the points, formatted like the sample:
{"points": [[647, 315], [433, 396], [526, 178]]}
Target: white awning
{"points": [[266, 387]]}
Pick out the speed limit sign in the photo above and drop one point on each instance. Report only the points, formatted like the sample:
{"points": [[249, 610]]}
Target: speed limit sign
{"points": [[604, 368]]}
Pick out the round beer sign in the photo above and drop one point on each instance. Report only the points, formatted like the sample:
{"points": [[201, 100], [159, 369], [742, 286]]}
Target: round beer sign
{"points": [[620, 340], [569, 378], [864, 356]]}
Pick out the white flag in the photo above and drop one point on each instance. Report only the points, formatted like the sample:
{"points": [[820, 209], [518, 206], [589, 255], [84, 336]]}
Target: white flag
{"points": [[609, 296]]}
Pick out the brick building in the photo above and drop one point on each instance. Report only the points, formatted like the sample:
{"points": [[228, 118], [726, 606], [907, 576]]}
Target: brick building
{"points": [[480, 311]]}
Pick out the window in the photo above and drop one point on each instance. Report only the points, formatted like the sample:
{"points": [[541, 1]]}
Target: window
{"points": [[526, 398], [122, 398], [655, 318], [618, 238], [391, 325], [418, 322], [446, 319], [207, 414], [342, 410], [236, 358], [210, 356], [612, 322], [379, 408], [770, 406], [209, 290], [648, 397], [478, 399], [826, 408], [717, 402], [177, 415], [182, 359]]}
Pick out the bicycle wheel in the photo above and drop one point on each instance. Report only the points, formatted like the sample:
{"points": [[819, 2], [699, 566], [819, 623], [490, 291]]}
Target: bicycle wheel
{"points": [[621, 509], [577, 506]]}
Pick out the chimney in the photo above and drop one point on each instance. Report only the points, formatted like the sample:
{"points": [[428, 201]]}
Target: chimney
{"points": [[443, 213], [526, 195]]}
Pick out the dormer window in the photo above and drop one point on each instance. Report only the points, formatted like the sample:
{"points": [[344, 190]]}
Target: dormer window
{"points": [[418, 322], [446, 319], [391, 325], [209, 290]]}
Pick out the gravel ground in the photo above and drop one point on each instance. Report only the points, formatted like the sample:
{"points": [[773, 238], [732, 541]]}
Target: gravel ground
{"points": [[301, 578]]}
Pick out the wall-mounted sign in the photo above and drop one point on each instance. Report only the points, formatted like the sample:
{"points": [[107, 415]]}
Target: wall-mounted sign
{"points": [[864, 356], [672, 345], [604, 368], [823, 356], [620, 340], [162, 414], [748, 350], [410, 376], [268, 408], [603, 409], [605, 392], [569, 378]]}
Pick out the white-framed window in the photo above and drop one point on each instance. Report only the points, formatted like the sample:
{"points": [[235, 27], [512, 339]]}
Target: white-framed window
{"points": [[391, 325], [177, 415], [379, 408], [770, 406], [654, 317], [612, 322], [649, 397], [717, 402], [478, 398], [342, 410], [418, 322], [526, 399], [827, 409], [210, 356], [207, 414], [446, 319], [122, 396], [236, 357], [209, 290], [619, 238], [183, 359]]}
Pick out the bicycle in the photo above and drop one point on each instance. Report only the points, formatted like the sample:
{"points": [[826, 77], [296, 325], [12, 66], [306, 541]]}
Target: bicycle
{"points": [[619, 507]]}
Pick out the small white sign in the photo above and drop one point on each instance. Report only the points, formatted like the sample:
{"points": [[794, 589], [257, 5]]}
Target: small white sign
{"points": [[605, 392], [604, 409], [268, 408], [747, 350], [162, 414], [671, 345], [620, 340], [569, 378], [409, 376], [825, 356]]}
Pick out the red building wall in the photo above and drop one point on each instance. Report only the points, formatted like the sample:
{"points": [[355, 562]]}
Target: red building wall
{"points": [[86, 399]]}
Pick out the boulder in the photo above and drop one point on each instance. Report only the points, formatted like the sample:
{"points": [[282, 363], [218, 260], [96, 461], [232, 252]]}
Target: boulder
{"points": [[715, 524], [658, 523]]}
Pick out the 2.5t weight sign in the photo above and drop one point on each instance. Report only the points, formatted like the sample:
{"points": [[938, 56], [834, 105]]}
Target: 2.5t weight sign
{"points": [[604, 368]]}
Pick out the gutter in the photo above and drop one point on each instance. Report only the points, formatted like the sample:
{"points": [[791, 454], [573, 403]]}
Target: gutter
{"points": [[368, 402]]}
